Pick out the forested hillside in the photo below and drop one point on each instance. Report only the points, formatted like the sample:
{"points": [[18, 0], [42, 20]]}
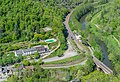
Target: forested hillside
{"points": [[22, 23], [105, 27], [102, 28], [24, 20]]}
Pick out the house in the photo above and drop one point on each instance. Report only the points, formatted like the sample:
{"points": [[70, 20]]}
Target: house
{"points": [[18, 52], [75, 80], [41, 49], [29, 51], [46, 29], [33, 50], [77, 36], [0, 70], [5, 71]]}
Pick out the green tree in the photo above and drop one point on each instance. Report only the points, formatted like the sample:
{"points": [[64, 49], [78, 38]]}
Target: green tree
{"points": [[36, 55], [26, 62]]}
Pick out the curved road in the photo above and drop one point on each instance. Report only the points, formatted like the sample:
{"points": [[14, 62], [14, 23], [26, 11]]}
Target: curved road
{"points": [[71, 35], [96, 61], [70, 52], [62, 66]]}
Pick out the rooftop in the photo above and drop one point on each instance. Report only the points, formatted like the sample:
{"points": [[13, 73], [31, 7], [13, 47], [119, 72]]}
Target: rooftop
{"points": [[29, 50], [29, 67], [32, 50], [40, 48], [47, 29], [19, 52]]}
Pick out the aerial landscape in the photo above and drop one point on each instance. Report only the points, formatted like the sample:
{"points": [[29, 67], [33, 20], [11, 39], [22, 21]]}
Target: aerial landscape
{"points": [[59, 40]]}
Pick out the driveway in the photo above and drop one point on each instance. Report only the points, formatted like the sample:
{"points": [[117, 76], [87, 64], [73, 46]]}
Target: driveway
{"points": [[70, 52]]}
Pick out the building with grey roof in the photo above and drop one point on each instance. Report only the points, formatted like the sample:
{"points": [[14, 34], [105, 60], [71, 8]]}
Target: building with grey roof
{"points": [[40, 49], [29, 51], [46, 29], [18, 52], [26, 52]]}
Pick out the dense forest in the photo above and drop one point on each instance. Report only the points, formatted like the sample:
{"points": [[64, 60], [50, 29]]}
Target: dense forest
{"points": [[102, 27], [24, 20], [22, 23], [109, 31]]}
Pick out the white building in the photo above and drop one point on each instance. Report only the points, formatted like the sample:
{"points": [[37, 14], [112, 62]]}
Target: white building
{"points": [[26, 52], [77, 36]]}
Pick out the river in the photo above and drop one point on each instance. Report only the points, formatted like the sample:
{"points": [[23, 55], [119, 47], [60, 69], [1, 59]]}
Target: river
{"points": [[102, 45], [82, 20], [106, 61]]}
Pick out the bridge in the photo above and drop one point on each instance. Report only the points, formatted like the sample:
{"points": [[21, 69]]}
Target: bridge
{"points": [[98, 63], [102, 66]]}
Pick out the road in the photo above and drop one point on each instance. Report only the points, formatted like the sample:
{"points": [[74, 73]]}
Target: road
{"points": [[100, 64], [96, 61], [72, 36], [70, 52], [52, 51], [62, 66], [116, 40]]}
